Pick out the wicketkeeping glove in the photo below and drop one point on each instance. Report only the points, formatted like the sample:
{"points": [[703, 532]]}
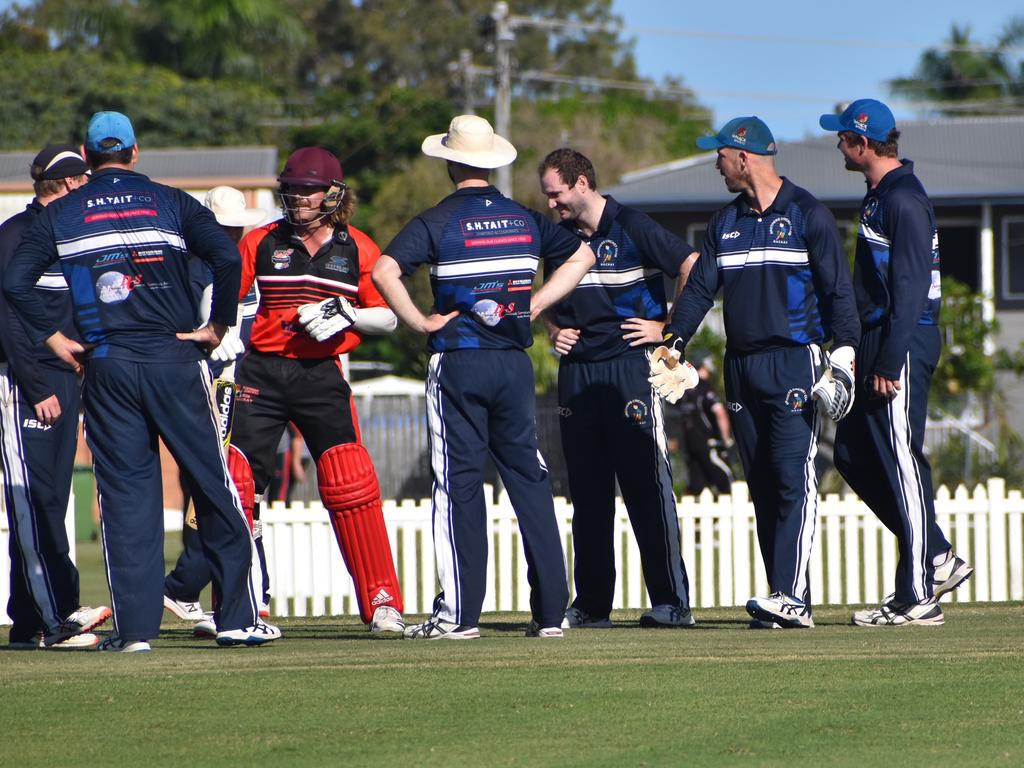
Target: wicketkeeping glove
{"points": [[328, 318], [835, 389], [671, 376], [231, 347]]}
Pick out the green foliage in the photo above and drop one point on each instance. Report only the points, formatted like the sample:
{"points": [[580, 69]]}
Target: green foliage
{"points": [[50, 96], [966, 81], [964, 366]]}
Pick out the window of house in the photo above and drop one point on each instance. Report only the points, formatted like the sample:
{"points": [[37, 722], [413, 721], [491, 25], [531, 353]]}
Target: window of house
{"points": [[1012, 259]]}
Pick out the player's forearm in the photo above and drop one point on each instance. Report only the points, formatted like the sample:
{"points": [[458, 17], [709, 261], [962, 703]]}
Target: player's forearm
{"points": [[387, 276], [562, 281]]}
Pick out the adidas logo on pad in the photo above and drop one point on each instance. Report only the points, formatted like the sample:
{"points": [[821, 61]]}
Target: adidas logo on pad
{"points": [[381, 598]]}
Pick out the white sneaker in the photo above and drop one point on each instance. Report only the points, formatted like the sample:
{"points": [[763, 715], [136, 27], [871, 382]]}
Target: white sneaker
{"points": [[782, 609], [387, 619], [264, 610], [536, 630], [577, 619], [183, 609], [80, 642], [115, 643], [758, 624], [950, 572], [892, 614], [436, 628], [667, 616], [205, 627], [78, 623], [258, 634]]}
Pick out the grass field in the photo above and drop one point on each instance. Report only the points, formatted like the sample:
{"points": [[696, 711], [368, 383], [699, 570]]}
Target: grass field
{"points": [[719, 694]]}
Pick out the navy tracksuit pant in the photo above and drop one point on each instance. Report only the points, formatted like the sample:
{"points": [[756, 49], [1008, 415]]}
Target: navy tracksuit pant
{"points": [[776, 426], [880, 452], [481, 402], [613, 428], [37, 466], [127, 405]]}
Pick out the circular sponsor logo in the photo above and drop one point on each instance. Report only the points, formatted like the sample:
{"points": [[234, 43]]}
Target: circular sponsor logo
{"points": [[636, 411], [112, 287], [781, 228], [796, 399], [488, 311]]}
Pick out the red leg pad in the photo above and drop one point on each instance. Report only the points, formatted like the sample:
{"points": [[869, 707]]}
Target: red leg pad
{"points": [[349, 490], [241, 474]]}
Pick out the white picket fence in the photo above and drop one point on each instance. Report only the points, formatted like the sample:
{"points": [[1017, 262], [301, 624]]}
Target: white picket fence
{"points": [[853, 560]]}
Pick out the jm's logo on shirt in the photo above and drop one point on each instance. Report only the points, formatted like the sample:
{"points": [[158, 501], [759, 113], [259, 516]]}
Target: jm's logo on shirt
{"points": [[481, 231], [490, 286]]}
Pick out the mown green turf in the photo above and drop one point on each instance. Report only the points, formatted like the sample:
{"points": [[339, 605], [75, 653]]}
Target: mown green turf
{"points": [[719, 694]]}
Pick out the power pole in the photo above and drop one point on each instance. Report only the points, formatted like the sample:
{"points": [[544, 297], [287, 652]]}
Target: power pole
{"points": [[503, 38]]}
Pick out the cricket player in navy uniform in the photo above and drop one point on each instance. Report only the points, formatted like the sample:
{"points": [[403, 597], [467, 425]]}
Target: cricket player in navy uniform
{"points": [[39, 405], [191, 573], [123, 244], [880, 447], [483, 251], [612, 423], [317, 301], [776, 255]]}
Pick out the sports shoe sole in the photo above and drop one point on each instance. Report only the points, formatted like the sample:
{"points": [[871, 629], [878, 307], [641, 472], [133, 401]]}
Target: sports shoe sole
{"points": [[649, 622], [759, 613]]}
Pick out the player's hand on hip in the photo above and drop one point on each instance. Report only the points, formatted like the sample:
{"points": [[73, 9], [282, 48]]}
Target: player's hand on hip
{"points": [[208, 337], [70, 351], [564, 339], [327, 318], [435, 322], [48, 410], [883, 387], [231, 347], [639, 331]]}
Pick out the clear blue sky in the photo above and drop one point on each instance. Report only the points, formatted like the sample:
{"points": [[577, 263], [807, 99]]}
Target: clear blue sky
{"points": [[824, 51]]}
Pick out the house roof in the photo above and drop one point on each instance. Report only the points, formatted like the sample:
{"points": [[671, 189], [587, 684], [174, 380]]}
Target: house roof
{"points": [[199, 168], [959, 161]]}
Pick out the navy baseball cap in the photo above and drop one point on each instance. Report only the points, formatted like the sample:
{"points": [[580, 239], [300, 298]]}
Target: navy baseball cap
{"points": [[867, 117], [58, 161], [109, 125], [747, 133]]}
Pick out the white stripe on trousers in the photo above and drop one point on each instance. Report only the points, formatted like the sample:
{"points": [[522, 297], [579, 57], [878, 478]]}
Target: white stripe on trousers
{"points": [[913, 508], [669, 513], [23, 515], [809, 511], [443, 528]]}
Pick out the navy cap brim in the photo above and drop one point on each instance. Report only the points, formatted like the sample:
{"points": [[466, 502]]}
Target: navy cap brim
{"points": [[709, 142], [831, 123]]}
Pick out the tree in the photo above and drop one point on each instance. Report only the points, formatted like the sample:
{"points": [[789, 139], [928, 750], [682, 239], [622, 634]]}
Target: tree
{"points": [[959, 78]]}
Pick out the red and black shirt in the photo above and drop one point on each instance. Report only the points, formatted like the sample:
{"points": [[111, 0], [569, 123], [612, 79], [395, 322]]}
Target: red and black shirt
{"points": [[275, 259]]}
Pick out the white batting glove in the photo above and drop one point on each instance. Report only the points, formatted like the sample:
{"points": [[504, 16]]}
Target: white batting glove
{"points": [[835, 389], [231, 347], [670, 375], [327, 318]]}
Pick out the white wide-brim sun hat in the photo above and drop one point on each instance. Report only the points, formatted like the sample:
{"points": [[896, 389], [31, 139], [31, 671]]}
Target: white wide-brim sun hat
{"points": [[471, 141], [228, 206]]}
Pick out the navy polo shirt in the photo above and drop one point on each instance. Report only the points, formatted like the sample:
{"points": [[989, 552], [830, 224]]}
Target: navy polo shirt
{"points": [[633, 253], [783, 274], [483, 250]]}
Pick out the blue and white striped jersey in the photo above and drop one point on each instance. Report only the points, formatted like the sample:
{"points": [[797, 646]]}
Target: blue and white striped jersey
{"points": [[483, 250], [896, 276], [783, 274], [634, 253], [123, 243], [51, 292]]}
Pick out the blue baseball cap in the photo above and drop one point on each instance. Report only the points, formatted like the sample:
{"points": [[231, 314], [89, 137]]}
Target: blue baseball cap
{"points": [[746, 133], [867, 117], [109, 125]]}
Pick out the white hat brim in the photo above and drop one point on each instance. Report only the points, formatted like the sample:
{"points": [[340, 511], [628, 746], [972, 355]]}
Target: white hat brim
{"points": [[502, 154], [248, 217]]}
